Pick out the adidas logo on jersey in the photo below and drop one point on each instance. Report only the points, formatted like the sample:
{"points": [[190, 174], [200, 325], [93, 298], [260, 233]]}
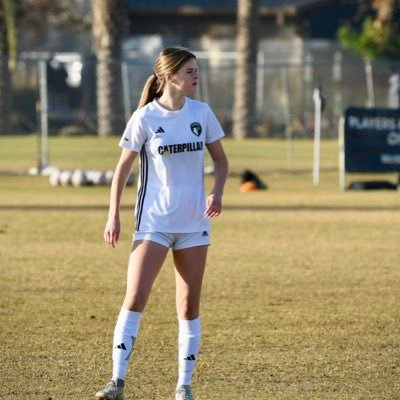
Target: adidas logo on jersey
{"points": [[160, 130]]}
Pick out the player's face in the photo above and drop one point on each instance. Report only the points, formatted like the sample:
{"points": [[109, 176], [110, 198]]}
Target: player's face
{"points": [[186, 79]]}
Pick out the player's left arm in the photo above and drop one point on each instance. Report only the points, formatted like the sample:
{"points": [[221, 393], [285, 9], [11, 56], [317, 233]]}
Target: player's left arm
{"points": [[214, 199]]}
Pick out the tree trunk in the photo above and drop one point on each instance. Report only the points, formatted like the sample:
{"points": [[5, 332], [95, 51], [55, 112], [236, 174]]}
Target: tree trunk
{"points": [[5, 79], [108, 17], [244, 110]]}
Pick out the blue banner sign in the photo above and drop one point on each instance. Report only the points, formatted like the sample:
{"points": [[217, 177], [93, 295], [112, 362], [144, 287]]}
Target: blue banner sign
{"points": [[372, 140]]}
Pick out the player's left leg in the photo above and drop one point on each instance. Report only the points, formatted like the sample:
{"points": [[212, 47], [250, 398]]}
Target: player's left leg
{"points": [[189, 271]]}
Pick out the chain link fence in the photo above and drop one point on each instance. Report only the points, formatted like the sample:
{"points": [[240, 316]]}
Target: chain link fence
{"points": [[67, 82]]}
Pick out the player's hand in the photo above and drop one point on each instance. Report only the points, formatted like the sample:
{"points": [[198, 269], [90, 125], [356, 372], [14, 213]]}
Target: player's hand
{"points": [[213, 206], [112, 231]]}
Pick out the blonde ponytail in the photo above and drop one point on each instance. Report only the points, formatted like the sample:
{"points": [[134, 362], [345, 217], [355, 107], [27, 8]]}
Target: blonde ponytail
{"points": [[169, 61], [150, 91]]}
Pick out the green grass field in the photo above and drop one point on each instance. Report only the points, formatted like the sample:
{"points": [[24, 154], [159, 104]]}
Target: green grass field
{"points": [[300, 301]]}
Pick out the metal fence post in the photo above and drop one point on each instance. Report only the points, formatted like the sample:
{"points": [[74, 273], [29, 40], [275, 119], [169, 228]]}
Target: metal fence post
{"points": [[317, 135], [286, 111], [342, 169], [370, 83], [44, 121], [126, 90]]}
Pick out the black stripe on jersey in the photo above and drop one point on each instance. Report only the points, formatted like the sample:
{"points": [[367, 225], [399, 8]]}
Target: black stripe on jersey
{"points": [[142, 191]]}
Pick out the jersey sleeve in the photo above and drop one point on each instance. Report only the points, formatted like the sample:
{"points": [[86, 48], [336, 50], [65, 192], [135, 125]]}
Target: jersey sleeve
{"points": [[134, 135], [214, 130]]}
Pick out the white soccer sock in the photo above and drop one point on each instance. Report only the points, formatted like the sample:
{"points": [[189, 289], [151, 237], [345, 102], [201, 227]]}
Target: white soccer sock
{"points": [[125, 333], [189, 345]]}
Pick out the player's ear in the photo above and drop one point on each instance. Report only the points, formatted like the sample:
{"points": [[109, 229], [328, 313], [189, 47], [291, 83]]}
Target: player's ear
{"points": [[171, 78]]}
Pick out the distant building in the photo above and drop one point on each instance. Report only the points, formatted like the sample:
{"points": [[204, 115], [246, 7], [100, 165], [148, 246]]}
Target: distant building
{"points": [[206, 24], [217, 19]]}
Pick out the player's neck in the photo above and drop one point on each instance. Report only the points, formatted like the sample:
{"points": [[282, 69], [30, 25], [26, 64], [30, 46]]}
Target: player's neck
{"points": [[171, 102]]}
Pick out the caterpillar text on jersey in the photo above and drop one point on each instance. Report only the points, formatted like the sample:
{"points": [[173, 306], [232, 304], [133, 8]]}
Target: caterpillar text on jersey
{"points": [[180, 148]]}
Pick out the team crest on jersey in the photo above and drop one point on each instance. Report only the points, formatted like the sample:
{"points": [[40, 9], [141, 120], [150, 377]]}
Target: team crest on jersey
{"points": [[196, 128]]}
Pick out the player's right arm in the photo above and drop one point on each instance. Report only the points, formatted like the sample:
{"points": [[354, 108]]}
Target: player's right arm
{"points": [[121, 174]]}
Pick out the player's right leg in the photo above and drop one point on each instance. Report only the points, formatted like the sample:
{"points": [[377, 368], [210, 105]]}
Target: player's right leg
{"points": [[145, 262]]}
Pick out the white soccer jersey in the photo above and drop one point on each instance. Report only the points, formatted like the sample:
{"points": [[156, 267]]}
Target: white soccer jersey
{"points": [[171, 196]]}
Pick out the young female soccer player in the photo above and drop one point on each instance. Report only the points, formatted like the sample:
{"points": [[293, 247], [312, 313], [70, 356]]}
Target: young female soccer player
{"points": [[170, 131]]}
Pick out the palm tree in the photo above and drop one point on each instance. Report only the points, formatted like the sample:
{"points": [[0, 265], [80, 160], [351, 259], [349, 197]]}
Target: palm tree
{"points": [[385, 10], [379, 35], [108, 25], [244, 109], [7, 49]]}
